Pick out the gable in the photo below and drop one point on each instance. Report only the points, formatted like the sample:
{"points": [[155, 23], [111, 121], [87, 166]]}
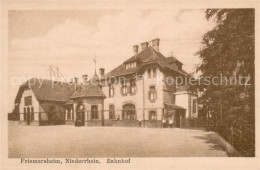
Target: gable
{"points": [[149, 55], [46, 90]]}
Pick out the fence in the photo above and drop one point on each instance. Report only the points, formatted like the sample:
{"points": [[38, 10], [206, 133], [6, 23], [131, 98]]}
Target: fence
{"points": [[44, 118], [242, 139]]}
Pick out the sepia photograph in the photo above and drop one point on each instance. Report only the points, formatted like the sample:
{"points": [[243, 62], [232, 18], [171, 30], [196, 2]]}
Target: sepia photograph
{"points": [[111, 85]]}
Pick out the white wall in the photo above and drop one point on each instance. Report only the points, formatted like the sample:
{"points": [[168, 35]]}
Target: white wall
{"points": [[35, 104], [194, 114], [182, 99], [119, 100]]}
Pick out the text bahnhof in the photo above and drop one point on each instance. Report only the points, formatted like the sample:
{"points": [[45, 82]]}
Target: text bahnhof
{"points": [[68, 160]]}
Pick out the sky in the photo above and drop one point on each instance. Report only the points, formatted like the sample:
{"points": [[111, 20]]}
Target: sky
{"points": [[71, 40]]}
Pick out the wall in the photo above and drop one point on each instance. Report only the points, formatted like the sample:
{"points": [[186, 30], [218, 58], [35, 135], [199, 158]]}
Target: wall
{"points": [[194, 114], [88, 102], [58, 109], [35, 104], [119, 100], [185, 100], [182, 99], [169, 87]]}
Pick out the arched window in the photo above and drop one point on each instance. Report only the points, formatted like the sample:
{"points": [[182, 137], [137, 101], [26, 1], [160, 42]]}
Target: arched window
{"points": [[111, 111], [128, 111], [111, 90], [94, 112], [152, 115], [149, 73], [32, 113], [69, 114], [152, 94], [154, 72]]}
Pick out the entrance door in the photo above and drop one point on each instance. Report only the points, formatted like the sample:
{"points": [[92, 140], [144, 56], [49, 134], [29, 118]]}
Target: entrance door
{"points": [[177, 119], [80, 115], [128, 112], [28, 116]]}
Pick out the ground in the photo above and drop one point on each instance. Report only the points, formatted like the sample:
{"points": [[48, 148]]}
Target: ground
{"points": [[69, 141]]}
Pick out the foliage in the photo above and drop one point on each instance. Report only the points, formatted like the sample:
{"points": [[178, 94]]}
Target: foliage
{"points": [[228, 50]]}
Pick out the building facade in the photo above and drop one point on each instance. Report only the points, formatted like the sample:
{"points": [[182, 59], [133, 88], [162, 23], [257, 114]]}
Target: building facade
{"points": [[142, 91]]}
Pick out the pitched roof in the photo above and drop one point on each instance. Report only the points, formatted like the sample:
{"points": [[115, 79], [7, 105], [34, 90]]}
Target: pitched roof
{"points": [[147, 56], [172, 59], [88, 91], [47, 90]]}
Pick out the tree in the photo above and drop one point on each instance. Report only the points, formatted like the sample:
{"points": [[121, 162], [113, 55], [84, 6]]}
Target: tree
{"points": [[228, 50]]}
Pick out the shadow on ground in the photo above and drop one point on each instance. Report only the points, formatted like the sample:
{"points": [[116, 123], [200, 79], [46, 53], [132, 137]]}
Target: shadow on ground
{"points": [[218, 143]]}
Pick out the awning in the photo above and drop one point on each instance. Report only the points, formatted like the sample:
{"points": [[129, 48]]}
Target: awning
{"points": [[69, 102], [173, 107]]}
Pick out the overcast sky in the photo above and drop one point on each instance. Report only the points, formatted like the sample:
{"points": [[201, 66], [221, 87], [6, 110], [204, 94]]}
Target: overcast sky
{"points": [[71, 39]]}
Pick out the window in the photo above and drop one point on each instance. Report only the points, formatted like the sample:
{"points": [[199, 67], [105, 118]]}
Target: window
{"points": [[152, 115], [94, 112], [69, 114], [111, 111], [28, 100], [124, 88], [152, 94], [111, 90], [132, 87], [128, 111], [149, 73], [130, 65], [32, 113], [154, 72], [194, 105]]}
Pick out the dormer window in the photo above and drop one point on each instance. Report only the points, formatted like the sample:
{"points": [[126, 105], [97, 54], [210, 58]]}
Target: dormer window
{"points": [[130, 65]]}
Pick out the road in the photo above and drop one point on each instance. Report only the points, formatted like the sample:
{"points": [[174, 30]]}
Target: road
{"points": [[68, 141]]}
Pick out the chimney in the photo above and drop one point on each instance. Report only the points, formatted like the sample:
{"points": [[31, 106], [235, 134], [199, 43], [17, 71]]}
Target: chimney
{"points": [[135, 49], [102, 72], [155, 44], [75, 83], [85, 78], [144, 45]]}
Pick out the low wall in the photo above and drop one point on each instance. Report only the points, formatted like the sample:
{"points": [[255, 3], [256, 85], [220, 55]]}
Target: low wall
{"points": [[22, 123], [192, 123], [126, 123], [114, 123], [34, 123], [152, 124], [93, 123], [69, 122]]}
